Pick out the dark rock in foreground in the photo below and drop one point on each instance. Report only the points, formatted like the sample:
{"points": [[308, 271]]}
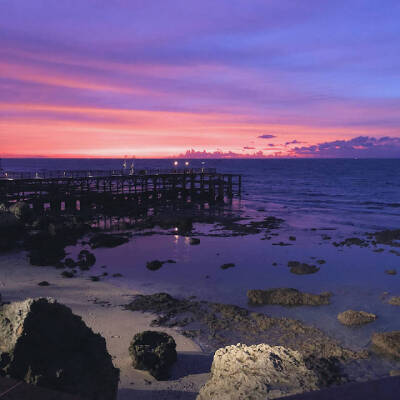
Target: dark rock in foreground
{"points": [[154, 352], [287, 297], [43, 343], [387, 343], [44, 283], [351, 317]]}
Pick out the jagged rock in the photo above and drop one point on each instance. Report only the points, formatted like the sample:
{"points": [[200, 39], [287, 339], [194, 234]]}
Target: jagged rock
{"points": [[43, 343], [257, 372], [394, 301], [387, 343], [107, 240], [154, 352], [287, 297], [351, 317], [21, 210], [194, 241], [86, 259]]}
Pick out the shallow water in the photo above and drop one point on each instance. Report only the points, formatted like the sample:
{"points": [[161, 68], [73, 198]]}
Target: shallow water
{"points": [[339, 198]]}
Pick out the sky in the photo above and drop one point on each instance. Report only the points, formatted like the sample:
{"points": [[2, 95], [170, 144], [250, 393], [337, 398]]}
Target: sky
{"points": [[200, 79]]}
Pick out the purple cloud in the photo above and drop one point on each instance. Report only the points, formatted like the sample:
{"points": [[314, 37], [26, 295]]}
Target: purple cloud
{"points": [[358, 147], [193, 154], [266, 136], [293, 142]]}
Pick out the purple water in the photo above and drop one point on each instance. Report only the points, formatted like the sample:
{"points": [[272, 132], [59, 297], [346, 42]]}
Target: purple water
{"points": [[348, 197]]}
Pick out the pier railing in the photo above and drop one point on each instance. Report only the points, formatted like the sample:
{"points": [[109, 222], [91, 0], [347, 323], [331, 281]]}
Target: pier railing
{"points": [[101, 187], [45, 174]]}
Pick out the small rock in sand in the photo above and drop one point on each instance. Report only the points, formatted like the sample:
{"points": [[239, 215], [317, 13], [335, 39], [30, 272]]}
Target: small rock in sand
{"points": [[154, 352], [67, 274], [351, 317], [287, 297], [44, 283]]}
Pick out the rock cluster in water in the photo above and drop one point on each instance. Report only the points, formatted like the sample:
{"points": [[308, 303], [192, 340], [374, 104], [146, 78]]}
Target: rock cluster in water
{"points": [[352, 318], [43, 343], [215, 325], [298, 268], [287, 297]]}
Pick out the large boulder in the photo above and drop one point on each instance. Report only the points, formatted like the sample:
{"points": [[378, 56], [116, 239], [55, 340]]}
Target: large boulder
{"points": [[43, 343], [154, 352], [287, 297], [351, 317], [387, 343], [257, 372]]}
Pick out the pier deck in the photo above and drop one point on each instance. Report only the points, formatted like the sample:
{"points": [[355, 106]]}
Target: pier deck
{"points": [[63, 189]]}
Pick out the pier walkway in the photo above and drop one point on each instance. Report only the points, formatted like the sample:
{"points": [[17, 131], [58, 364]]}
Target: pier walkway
{"points": [[61, 190]]}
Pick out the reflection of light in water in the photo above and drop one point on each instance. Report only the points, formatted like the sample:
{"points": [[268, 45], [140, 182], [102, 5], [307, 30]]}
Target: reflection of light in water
{"points": [[187, 239], [176, 237]]}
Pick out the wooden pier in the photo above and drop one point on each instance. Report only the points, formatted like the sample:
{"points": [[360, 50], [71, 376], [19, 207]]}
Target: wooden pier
{"points": [[69, 190]]}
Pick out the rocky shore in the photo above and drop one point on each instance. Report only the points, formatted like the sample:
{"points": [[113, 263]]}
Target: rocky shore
{"points": [[147, 337]]}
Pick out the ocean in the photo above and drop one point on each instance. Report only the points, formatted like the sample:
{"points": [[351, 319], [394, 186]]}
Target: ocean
{"points": [[362, 193]]}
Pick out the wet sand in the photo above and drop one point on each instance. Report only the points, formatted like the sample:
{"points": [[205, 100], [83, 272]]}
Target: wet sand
{"points": [[100, 306]]}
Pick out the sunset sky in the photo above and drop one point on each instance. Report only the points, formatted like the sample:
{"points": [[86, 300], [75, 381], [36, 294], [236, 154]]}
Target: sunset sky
{"points": [[221, 78]]}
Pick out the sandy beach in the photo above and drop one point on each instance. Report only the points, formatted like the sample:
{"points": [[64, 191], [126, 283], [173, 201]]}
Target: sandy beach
{"points": [[100, 306]]}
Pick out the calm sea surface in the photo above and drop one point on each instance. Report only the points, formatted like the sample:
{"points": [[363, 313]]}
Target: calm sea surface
{"points": [[364, 193]]}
